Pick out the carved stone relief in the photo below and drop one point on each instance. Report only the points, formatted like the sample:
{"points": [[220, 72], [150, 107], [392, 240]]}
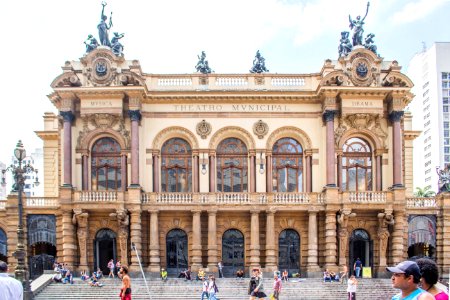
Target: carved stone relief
{"points": [[203, 129], [260, 129]]}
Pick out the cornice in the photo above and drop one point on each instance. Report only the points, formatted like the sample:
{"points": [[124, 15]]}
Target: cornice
{"points": [[48, 135], [411, 134]]}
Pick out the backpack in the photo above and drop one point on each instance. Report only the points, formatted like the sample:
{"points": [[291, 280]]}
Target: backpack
{"points": [[216, 289]]}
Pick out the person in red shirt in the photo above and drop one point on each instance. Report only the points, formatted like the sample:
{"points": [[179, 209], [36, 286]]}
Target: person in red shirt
{"points": [[276, 285]]}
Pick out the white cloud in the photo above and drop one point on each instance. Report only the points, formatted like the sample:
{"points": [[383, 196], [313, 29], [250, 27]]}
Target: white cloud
{"points": [[416, 10]]}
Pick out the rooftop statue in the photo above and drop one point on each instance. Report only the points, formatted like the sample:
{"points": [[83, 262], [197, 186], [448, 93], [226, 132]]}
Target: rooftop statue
{"points": [[93, 44], [369, 43], [103, 27], [357, 27], [117, 47], [444, 179], [345, 46], [259, 64], [202, 64]]}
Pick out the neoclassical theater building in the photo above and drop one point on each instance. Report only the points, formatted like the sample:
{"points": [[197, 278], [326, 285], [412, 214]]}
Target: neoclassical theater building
{"points": [[281, 171]]}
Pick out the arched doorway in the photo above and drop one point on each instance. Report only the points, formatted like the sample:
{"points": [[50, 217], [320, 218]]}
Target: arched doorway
{"points": [[3, 246], [41, 243], [421, 236], [104, 249], [177, 251], [232, 252], [361, 246], [289, 251]]}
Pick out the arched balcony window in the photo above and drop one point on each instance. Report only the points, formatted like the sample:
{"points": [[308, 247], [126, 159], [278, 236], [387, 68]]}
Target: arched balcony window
{"points": [[232, 166], [287, 166], [106, 173], [176, 166], [356, 165]]}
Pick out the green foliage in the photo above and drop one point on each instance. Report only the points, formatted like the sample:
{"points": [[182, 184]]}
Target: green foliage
{"points": [[424, 192]]}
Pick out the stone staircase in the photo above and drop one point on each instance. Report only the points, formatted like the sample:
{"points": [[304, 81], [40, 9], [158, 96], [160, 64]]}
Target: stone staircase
{"points": [[229, 289]]}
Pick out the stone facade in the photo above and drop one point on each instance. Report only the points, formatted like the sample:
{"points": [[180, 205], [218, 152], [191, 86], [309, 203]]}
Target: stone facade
{"points": [[325, 221]]}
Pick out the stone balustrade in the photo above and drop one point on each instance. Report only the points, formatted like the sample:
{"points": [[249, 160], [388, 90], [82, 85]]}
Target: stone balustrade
{"points": [[96, 196], [291, 198], [230, 81], [421, 202], [367, 197], [41, 202], [176, 198]]}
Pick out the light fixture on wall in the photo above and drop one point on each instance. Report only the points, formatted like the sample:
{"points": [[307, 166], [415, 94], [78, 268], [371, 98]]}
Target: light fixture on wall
{"points": [[203, 165], [261, 164]]}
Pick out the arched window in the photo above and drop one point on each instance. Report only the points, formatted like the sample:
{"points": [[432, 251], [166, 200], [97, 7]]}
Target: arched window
{"points": [[232, 170], [356, 165], [106, 173], [287, 166], [176, 166]]}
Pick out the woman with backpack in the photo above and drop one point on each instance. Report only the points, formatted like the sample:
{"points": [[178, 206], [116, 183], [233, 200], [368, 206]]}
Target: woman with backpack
{"points": [[212, 288]]}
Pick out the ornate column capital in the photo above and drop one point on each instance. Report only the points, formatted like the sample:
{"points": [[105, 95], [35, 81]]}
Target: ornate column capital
{"points": [[68, 116], [135, 115], [153, 211], [212, 211], [328, 115], [396, 115], [196, 211]]}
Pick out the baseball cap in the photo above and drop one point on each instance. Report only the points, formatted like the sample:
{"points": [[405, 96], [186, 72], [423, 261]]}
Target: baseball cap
{"points": [[407, 267]]}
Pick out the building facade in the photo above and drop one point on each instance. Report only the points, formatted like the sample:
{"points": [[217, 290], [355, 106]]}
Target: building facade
{"points": [[279, 171], [430, 72]]}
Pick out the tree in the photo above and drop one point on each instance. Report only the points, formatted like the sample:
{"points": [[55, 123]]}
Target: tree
{"points": [[424, 192]]}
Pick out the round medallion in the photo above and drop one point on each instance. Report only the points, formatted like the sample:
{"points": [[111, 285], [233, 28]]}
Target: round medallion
{"points": [[260, 128], [203, 129], [361, 71], [101, 71]]}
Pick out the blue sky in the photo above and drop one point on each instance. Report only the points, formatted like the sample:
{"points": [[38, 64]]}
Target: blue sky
{"points": [[294, 36]]}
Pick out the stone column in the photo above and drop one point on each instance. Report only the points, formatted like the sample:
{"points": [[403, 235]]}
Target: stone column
{"points": [[397, 141], [312, 243], [195, 174], [156, 171], [81, 219], [339, 170], [271, 251], [254, 240], [379, 172], [212, 172], [330, 240], [252, 188], [196, 241], [154, 248], [85, 184], [123, 166], [328, 117], [135, 116], [398, 237], [269, 173], [308, 171], [212, 241], [68, 238], [136, 239], [68, 118]]}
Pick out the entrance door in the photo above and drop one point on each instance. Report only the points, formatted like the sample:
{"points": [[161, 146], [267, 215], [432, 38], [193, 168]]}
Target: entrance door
{"points": [[289, 251], [177, 251], [105, 249], [360, 247], [232, 252], [42, 258]]}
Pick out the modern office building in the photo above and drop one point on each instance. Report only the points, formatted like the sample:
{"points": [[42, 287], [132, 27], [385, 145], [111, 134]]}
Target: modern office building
{"points": [[430, 72]]}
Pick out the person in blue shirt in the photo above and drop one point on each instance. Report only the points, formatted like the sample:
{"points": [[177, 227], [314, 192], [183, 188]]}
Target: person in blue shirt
{"points": [[406, 277], [357, 267]]}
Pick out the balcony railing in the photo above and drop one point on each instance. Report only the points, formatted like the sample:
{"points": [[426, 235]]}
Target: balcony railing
{"points": [[177, 198], [367, 197], [421, 202], [96, 196], [41, 202], [291, 198]]}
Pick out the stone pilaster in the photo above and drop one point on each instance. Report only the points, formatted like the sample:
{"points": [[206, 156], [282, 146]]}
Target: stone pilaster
{"points": [[81, 219], [312, 266], [156, 171], [330, 240], [85, 179], [135, 116], [212, 241], [212, 172], [68, 118], [271, 251], [196, 261], [254, 240], [328, 117], [398, 242], [136, 239], [252, 188], [69, 251], [155, 260]]}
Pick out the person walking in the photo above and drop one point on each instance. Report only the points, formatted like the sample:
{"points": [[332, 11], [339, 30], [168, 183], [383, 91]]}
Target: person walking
{"points": [[220, 266], [11, 288], [406, 277], [352, 283], [111, 268], [125, 291], [357, 267], [212, 288], [430, 276], [256, 289], [276, 285], [205, 286]]}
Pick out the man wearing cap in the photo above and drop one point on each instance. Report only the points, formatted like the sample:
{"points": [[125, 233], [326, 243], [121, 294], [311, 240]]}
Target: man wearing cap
{"points": [[406, 277], [11, 289]]}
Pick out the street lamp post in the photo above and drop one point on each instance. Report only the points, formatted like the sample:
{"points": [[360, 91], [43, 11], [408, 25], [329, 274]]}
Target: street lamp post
{"points": [[18, 171]]}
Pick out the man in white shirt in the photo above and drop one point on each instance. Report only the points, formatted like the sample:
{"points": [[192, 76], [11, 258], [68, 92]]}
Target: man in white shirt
{"points": [[11, 289]]}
